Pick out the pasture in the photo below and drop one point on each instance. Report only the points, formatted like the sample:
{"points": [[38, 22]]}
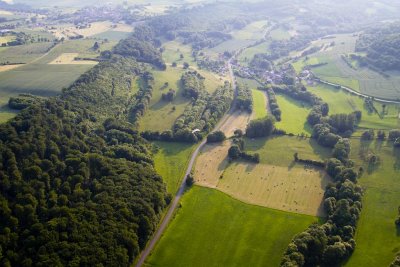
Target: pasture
{"points": [[360, 79], [377, 238], [343, 102], [259, 104], [238, 120], [247, 55], [161, 114], [294, 115], [23, 53], [171, 161], [242, 38], [212, 229]]}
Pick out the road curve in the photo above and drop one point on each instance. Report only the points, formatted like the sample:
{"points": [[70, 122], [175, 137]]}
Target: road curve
{"points": [[167, 218]]}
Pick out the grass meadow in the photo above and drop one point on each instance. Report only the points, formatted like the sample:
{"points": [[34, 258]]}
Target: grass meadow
{"points": [[294, 115], [259, 104], [171, 161], [213, 229], [377, 238]]}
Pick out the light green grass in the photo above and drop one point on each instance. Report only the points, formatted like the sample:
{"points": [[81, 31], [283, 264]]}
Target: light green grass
{"points": [[171, 162], [377, 238], [5, 39], [279, 150], [161, 116], [212, 229], [280, 34], [259, 104], [294, 115], [247, 55], [23, 53], [340, 101], [174, 49]]}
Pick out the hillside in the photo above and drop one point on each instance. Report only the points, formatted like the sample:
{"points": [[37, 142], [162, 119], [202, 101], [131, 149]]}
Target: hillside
{"points": [[381, 47]]}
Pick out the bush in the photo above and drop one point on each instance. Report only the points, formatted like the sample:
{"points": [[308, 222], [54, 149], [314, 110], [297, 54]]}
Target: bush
{"points": [[260, 128], [217, 136]]}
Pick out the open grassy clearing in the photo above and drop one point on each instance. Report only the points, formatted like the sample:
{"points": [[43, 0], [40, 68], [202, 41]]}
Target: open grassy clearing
{"points": [[294, 115], [280, 34], [161, 115], [112, 35], [246, 56], [242, 38], [247, 82], [5, 39], [9, 67], [212, 229], [342, 102], [377, 238], [171, 161], [360, 79], [174, 49], [259, 104]]}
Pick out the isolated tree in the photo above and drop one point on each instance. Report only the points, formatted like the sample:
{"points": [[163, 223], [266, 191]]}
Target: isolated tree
{"points": [[234, 152], [185, 65], [96, 46], [174, 64], [189, 180]]}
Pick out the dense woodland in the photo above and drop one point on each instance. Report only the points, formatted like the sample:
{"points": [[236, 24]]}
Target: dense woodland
{"points": [[77, 186], [382, 47]]}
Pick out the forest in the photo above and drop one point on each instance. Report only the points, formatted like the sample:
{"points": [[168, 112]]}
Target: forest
{"points": [[78, 185]]}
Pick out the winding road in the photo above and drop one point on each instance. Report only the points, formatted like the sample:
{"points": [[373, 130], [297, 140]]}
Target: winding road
{"points": [[167, 218]]}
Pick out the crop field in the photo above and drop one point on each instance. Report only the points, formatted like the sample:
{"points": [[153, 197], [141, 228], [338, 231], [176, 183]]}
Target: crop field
{"points": [[23, 53], [377, 238], [294, 115], [259, 104], [171, 161], [238, 120], [212, 229], [69, 58], [277, 182], [111, 35], [95, 28], [360, 79], [342, 102], [295, 188]]}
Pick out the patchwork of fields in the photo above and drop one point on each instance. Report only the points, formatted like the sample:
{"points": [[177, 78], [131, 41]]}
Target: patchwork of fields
{"points": [[277, 182]]}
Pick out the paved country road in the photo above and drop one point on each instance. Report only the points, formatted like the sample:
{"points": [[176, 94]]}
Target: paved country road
{"points": [[165, 221]]}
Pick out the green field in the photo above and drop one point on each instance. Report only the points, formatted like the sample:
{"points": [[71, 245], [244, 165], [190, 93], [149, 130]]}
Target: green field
{"points": [[377, 238], [212, 229], [161, 115], [23, 53], [279, 150], [294, 115], [246, 56], [259, 104], [171, 162], [280, 34], [173, 50], [241, 38], [337, 71], [342, 102]]}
